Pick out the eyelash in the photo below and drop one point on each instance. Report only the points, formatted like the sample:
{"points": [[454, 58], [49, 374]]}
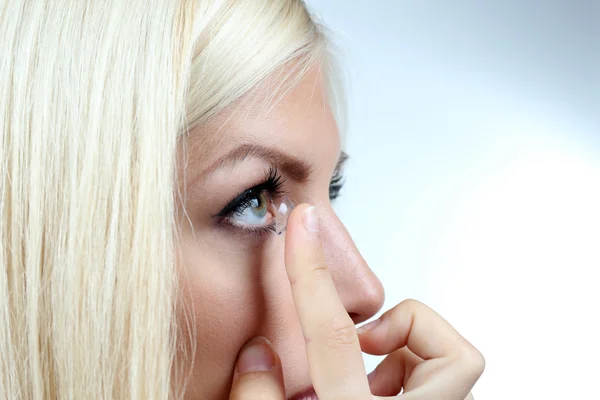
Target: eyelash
{"points": [[272, 185], [335, 186], [337, 180]]}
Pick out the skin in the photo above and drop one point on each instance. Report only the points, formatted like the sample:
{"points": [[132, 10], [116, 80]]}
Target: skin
{"points": [[238, 285]]}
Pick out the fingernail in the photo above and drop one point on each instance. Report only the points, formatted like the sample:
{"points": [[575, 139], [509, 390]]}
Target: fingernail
{"points": [[310, 219], [256, 356], [367, 327]]}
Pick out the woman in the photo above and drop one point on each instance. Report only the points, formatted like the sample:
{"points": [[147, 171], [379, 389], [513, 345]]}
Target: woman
{"points": [[144, 145]]}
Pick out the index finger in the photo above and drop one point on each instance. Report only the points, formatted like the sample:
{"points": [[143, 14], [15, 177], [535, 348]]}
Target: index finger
{"points": [[332, 347]]}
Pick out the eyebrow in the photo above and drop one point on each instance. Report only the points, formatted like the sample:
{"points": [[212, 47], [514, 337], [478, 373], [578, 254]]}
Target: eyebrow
{"points": [[295, 168]]}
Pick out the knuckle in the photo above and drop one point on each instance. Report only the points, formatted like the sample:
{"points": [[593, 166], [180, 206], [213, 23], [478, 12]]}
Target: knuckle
{"points": [[411, 303], [340, 331], [320, 270], [314, 275], [409, 306], [473, 360]]}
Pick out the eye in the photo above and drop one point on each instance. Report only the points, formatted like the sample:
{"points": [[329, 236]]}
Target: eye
{"points": [[335, 186], [254, 211], [337, 180]]}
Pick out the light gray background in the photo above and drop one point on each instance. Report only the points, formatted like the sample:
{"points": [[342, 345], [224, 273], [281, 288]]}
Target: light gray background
{"points": [[474, 180]]}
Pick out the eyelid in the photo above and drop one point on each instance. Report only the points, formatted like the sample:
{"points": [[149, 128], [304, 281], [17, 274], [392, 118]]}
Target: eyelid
{"points": [[272, 184], [255, 232], [229, 222], [272, 187], [338, 180], [234, 204]]}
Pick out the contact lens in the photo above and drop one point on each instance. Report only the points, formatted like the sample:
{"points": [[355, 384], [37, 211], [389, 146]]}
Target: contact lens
{"points": [[282, 213]]}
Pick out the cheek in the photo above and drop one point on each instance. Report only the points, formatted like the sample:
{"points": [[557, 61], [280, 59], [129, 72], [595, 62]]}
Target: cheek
{"points": [[223, 292]]}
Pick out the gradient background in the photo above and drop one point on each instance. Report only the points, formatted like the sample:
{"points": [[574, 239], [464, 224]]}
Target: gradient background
{"points": [[474, 179]]}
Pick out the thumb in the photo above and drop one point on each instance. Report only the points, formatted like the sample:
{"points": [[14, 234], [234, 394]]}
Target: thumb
{"points": [[258, 373]]}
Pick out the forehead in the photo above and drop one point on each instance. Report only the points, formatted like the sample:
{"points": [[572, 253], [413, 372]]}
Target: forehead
{"points": [[300, 123]]}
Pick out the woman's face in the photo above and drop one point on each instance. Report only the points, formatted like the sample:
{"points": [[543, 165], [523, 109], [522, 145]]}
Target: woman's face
{"points": [[232, 272]]}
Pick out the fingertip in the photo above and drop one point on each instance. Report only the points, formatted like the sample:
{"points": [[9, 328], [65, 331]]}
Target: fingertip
{"points": [[257, 355], [302, 240], [370, 344], [372, 338], [258, 372], [364, 329], [310, 219], [296, 223]]}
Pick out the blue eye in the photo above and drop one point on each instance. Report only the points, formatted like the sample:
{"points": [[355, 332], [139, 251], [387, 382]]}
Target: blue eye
{"points": [[254, 211]]}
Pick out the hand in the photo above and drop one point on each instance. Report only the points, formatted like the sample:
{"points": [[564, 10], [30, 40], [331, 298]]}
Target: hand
{"points": [[427, 358]]}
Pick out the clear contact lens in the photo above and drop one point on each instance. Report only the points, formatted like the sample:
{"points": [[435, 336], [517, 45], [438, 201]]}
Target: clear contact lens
{"points": [[282, 213]]}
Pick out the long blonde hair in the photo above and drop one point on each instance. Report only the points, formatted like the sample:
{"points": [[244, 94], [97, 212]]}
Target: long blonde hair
{"points": [[96, 96]]}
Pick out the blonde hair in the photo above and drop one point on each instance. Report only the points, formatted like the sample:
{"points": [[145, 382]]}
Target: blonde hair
{"points": [[96, 96]]}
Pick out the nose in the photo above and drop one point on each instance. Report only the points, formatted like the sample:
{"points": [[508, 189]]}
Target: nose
{"points": [[359, 289]]}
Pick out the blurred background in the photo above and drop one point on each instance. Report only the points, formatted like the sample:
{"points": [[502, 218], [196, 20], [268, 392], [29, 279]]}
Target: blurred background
{"points": [[474, 179]]}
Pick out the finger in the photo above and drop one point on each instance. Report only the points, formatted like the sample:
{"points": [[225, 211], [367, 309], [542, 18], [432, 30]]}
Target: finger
{"points": [[333, 351], [422, 396], [451, 364], [258, 373], [413, 396], [391, 374], [415, 325], [441, 378]]}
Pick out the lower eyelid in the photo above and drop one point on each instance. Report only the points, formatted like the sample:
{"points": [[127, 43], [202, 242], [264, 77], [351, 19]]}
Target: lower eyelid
{"points": [[235, 224], [247, 232]]}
